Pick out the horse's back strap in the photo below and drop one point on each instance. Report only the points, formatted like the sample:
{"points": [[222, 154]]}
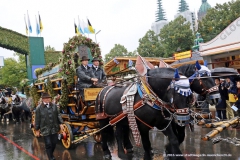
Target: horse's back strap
{"points": [[122, 115]]}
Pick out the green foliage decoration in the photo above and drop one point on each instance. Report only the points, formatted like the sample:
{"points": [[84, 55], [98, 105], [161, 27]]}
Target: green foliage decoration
{"points": [[27, 91], [70, 59], [34, 94], [63, 102], [52, 56], [14, 41], [49, 88]]}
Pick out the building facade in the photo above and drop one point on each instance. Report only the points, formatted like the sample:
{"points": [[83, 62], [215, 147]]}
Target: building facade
{"points": [[224, 49]]}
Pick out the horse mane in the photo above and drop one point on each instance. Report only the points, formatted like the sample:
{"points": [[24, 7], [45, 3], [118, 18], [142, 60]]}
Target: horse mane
{"points": [[187, 69]]}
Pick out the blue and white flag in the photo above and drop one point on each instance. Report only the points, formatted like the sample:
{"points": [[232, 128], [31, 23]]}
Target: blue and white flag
{"points": [[29, 24], [37, 27], [130, 63], [85, 27], [116, 61], [80, 26]]}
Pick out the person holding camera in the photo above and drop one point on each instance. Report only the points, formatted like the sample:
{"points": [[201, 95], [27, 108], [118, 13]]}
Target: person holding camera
{"points": [[232, 92], [221, 106]]}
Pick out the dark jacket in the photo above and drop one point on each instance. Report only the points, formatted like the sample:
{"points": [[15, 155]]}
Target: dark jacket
{"points": [[99, 74], [237, 103], [48, 119], [224, 96], [84, 77]]}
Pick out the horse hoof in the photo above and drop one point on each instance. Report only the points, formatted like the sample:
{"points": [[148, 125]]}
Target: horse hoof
{"points": [[123, 156], [107, 157]]}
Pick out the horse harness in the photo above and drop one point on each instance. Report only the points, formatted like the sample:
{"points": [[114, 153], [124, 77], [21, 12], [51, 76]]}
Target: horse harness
{"points": [[147, 97]]}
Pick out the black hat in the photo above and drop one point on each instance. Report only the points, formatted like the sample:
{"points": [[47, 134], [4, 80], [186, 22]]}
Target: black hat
{"points": [[84, 58], [96, 59], [45, 95]]}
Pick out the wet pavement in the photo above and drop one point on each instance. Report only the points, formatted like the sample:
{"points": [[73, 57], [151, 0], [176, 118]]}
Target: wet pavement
{"points": [[18, 143]]}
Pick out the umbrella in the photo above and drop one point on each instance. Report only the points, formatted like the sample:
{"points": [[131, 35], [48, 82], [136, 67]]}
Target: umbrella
{"points": [[223, 71], [22, 95]]}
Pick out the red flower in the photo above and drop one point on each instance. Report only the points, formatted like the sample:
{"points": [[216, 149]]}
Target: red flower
{"points": [[63, 51], [69, 62], [67, 72]]}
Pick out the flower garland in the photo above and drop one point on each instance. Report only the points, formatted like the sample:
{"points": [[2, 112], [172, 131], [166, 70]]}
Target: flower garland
{"points": [[49, 88], [70, 60], [63, 102], [34, 94]]}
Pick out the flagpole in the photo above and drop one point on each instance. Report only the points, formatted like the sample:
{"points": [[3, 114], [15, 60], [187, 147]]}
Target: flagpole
{"points": [[87, 24], [28, 25], [79, 23]]}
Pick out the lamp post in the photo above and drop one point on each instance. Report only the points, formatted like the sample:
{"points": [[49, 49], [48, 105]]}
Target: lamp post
{"points": [[96, 35]]}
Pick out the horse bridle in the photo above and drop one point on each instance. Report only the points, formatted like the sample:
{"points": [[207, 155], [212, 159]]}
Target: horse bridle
{"points": [[204, 87], [174, 108]]}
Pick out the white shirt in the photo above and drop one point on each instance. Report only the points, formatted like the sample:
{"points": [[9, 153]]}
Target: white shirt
{"points": [[96, 67], [47, 104]]}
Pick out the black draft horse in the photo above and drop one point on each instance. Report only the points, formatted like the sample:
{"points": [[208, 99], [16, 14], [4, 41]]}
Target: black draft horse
{"points": [[4, 108], [160, 80], [202, 84]]}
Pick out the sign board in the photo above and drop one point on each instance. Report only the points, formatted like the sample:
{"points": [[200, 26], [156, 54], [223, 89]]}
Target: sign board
{"points": [[1, 61], [182, 55], [90, 94], [84, 51], [54, 70], [33, 69]]}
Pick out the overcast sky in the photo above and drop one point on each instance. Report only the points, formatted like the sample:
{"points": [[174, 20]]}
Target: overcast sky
{"points": [[120, 21]]}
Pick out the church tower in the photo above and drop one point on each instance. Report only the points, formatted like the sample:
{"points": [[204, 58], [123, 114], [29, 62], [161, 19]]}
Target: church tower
{"points": [[160, 14], [183, 6], [184, 11], [203, 9], [161, 20]]}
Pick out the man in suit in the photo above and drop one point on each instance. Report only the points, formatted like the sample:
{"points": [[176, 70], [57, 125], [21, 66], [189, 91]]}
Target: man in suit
{"points": [[98, 71], [86, 77]]}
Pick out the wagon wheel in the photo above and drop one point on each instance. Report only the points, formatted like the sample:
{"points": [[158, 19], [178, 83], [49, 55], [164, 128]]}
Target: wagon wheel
{"points": [[33, 124], [97, 137], [68, 136]]}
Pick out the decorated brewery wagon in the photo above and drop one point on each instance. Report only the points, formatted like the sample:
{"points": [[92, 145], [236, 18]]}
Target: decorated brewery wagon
{"points": [[60, 81]]}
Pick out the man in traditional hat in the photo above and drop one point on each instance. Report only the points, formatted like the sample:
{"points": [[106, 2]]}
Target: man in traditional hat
{"points": [[86, 77], [98, 71], [47, 120]]}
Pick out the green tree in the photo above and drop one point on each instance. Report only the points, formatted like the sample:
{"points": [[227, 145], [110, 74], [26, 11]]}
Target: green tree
{"points": [[49, 48], [150, 46], [117, 51], [176, 34], [13, 71], [218, 18]]}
